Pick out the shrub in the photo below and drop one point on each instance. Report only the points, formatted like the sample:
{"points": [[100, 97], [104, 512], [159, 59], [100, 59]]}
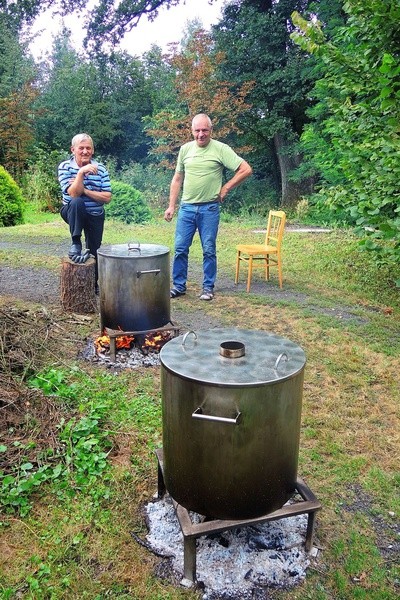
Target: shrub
{"points": [[127, 204], [151, 180], [11, 200], [40, 183], [254, 197]]}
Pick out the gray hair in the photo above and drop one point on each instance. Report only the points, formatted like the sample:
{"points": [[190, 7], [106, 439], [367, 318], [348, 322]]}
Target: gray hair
{"points": [[203, 116], [80, 137]]}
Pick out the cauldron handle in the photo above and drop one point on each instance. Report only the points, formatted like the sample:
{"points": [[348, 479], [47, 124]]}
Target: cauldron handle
{"points": [[197, 414], [133, 248], [282, 356], [188, 333], [155, 271]]}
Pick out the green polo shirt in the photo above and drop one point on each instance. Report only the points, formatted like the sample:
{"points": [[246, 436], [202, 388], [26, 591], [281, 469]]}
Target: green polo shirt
{"points": [[203, 168]]}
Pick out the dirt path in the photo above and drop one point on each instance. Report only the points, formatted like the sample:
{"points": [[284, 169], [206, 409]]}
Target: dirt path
{"points": [[42, 286]]}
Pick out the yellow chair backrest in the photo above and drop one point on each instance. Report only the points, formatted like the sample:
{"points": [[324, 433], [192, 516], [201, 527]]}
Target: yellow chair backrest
{"points": [[275, 228]]}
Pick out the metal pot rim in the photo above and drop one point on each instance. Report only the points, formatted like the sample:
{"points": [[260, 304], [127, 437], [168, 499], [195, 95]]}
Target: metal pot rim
{"points": [[268, 359], [132, 250]]}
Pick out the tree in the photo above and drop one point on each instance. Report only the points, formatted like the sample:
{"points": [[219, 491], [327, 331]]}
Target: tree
{"points": [[16, 128], [65, 99], [357, 116], [106, 96], [106, 21], [17, 95], [256, 36], [198, 89]]}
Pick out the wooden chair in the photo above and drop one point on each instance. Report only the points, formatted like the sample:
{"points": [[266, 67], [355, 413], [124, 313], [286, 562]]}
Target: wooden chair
{"points": [[269, 253]]}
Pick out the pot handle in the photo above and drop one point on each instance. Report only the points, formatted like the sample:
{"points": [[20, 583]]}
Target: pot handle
{"points": [[282, 356], [197, 414], [139, 273], [134, 248], [186, 335]]}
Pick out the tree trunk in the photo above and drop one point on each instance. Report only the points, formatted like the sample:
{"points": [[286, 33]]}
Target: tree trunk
{"points": [[77, 286], [291, 191]]}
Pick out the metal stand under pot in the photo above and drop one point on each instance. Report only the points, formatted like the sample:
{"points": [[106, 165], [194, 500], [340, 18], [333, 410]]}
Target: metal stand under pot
{"points": [[191, 531]]}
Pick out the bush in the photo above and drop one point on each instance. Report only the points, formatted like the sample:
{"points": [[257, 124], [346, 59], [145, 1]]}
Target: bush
{"points": [[151, 180], [11, 201], [40, 183], [127, 204], [254, 197]]}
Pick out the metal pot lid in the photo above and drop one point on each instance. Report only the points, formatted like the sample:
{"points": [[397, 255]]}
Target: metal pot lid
{"points": [[266, 357], [133, 250]]}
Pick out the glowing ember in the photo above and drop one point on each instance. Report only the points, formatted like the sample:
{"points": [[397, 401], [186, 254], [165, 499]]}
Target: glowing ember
{"points": [[102, 343], [155, 341], [151, 342]]}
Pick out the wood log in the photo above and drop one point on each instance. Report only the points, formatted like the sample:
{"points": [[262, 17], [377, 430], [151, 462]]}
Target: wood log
{"points": [[77, 286]]}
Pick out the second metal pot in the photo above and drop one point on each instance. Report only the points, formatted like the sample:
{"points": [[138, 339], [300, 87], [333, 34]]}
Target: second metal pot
{"points": [[231, 421], [134, 281]]}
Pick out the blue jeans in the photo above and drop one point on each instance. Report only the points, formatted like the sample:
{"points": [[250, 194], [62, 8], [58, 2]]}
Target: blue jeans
{"points": [[205, 219]]}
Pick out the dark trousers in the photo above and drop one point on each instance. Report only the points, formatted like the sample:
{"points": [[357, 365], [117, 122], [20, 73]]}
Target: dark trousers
{"points": [[79, 220]]}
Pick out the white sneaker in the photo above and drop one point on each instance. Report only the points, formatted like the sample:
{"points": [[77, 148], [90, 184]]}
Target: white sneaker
{"points": [[207, 295]]}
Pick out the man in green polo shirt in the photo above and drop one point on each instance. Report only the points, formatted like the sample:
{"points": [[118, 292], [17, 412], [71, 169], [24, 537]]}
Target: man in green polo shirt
{"points": [[199, 168]]}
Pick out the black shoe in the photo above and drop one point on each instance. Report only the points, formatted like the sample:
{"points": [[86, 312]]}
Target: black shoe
{"points": [[75, 250], [174, 293]]}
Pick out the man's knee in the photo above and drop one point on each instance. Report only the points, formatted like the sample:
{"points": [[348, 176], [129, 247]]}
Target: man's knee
{"points": [[209, 249]]}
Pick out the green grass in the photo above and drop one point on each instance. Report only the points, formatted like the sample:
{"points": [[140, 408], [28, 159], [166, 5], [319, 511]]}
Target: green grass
{"points": [[67, 534]]}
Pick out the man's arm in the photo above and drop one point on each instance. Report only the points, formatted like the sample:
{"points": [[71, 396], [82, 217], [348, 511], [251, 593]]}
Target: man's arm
{"points": [[240, 175], [174, 191], [77, 188], [104, 197]]}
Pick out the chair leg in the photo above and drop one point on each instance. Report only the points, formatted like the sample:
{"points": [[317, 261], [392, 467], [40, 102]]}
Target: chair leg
{"points": [[267, 267], [237, 266], [280, 271], [250, 273]]}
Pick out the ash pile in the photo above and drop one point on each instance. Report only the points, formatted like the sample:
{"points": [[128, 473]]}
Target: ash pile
{"points": [[238, 564]]}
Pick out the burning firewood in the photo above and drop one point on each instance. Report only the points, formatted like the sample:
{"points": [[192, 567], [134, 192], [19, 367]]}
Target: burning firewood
{"points": [[155, 341], [102, 343]]}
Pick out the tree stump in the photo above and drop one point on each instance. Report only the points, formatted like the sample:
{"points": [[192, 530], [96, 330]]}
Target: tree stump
{"points": [[77, 286]]}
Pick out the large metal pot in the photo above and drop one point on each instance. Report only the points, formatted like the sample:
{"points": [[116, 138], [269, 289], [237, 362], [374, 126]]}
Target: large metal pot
{"points": [[231, 422], [134, 281]]}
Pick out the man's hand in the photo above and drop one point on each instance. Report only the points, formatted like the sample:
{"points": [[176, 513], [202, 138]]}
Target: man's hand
{"points": [[89, 169], [222, 194], [169, 213]]}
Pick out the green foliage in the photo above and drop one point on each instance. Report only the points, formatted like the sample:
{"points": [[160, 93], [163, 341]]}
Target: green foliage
{"points": [[85, 443], [53, 383], [40, 183], [17, 488], [127, 204], [252, 197], [279, 98], [17, 95], [11, 200], [151, 180], [354, 138], [106, 97]]}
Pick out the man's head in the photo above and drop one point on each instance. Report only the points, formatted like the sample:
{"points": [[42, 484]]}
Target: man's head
{"points": [[201, 129], [82, 148]]}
